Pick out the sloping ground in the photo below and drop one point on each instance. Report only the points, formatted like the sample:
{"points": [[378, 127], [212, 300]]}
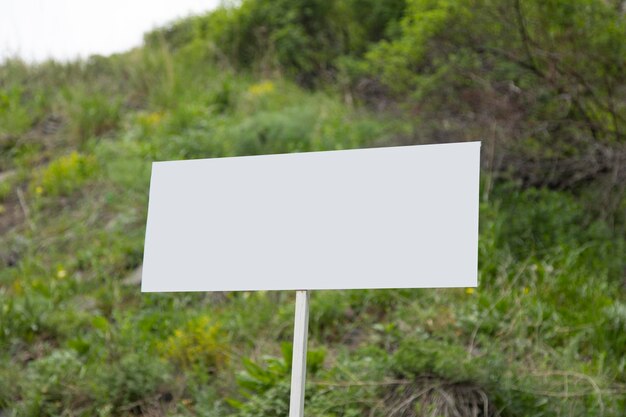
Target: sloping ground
{"points": [[544, 334]]}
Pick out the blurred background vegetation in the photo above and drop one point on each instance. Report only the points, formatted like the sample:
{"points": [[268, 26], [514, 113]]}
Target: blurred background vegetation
{"points": [[540, 82]]}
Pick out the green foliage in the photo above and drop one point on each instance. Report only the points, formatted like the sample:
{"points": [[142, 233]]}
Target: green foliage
{"points": [[546, 226], [371, 21], [566, 29], [301, 38], [54, 385], [134, 378], [273, 402], [258, 379], [15, 117], [6, 188], [224, 98], [199, 343], [22, 318], [396, 60], [416, 357], [10, 379], [64, 175], [92, 114], [516, 65], [458, 63], [543, 334], [266, 386]]}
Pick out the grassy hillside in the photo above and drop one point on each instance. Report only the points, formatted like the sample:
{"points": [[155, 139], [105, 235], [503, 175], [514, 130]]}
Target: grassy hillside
{"points": [[544, 334]]}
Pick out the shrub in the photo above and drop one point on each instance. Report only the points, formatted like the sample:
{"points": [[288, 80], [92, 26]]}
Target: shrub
{"points": [[516, 66], [198, 344], [302, 38], [131, 381], [55, 384], [64, 175]]}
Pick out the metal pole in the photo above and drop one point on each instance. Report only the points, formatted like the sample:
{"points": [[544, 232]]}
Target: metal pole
{"points": [[298, 363]]}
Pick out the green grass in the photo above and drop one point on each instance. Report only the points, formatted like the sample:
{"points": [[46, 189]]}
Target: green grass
{"points": [[543, 335]]}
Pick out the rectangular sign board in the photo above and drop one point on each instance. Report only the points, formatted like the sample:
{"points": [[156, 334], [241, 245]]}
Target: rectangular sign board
{"points": [[397, 217]]}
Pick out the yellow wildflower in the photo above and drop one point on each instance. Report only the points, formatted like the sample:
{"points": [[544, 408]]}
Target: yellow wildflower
{"points": [[154, 118], [261, 88], [150, 119], [526, 290], [61, 273], [469, 291], [39, 190], [198, 342]]}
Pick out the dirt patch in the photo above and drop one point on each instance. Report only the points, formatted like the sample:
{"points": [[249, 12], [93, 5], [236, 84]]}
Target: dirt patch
{"points": [[12, 212], [11, 215]]}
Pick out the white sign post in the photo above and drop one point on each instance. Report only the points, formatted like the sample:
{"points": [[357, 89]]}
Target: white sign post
{"points": [[298, 361], [400, 217]]}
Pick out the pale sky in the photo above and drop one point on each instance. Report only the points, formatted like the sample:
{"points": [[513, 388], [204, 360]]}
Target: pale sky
{"points": [[65, 29]]}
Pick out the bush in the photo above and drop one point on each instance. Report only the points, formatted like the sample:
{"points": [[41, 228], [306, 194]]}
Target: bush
{"points": [[544, 73], [64, 175], [417, 357], [55, 385], [302, 38], [199, 344], [131, 381]]}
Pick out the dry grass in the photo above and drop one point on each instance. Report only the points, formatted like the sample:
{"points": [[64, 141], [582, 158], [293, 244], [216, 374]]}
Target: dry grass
{"points": [[435, 397]]}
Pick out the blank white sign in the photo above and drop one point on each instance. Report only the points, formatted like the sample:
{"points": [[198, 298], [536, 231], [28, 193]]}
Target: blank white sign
{"points": [[400, 217]]}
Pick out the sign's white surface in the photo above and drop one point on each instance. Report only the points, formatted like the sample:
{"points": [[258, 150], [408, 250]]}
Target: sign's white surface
{"points": [[399, 217]]}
